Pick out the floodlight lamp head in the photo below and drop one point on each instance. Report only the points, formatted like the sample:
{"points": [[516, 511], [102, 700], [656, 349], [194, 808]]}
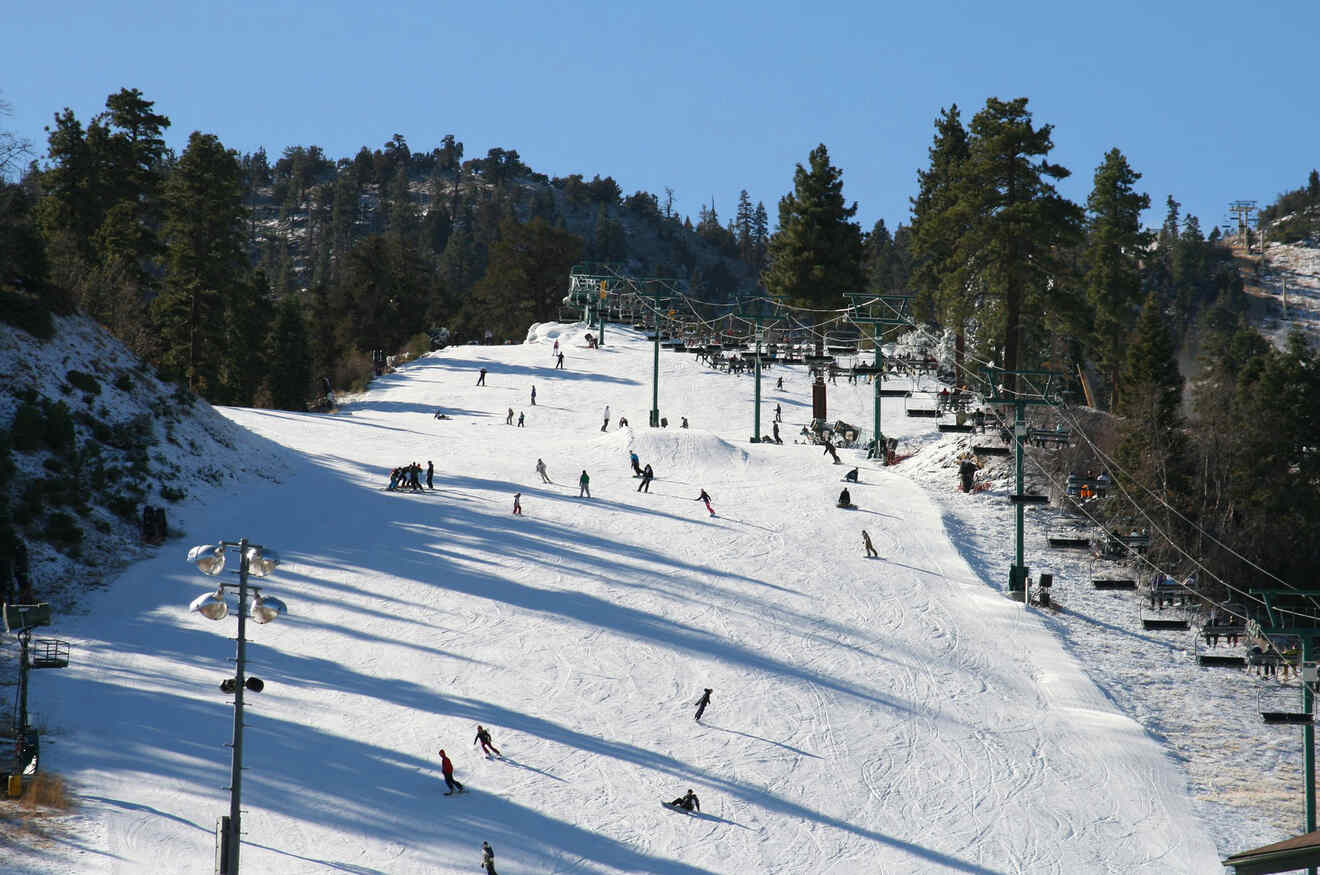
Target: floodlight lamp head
{"points": [[209, 558], [266, 608], [211, 605], [261, 562]]}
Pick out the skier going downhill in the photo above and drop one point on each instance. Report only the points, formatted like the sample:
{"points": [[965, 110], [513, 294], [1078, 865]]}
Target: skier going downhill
{"points": [[483, 736], [706, 498], [447, 769], [701, 705]]}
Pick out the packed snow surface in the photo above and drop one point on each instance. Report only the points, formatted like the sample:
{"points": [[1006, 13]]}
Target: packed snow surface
{"points": [[886, 715]]}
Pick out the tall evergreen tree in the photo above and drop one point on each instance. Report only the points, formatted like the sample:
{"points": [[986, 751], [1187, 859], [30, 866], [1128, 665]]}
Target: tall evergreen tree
{"points": [[291, 372], [525, 279], [205, 261], [816, 255], [935, 230], [1017, 225], [1115, 245]]}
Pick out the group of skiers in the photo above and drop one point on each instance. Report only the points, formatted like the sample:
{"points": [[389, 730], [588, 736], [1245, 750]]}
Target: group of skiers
{"points": [[409, 477]]}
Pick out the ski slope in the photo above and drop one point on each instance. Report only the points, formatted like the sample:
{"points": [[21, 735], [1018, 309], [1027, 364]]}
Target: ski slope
{"points": [[885, 715]]}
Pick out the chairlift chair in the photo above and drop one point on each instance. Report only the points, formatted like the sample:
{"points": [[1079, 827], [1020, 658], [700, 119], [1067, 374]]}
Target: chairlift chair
{"points": [[1161, 590], [1276, 709], [1067, 538]]}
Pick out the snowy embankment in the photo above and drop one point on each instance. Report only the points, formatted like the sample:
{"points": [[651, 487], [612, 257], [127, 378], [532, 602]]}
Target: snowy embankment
{"points": [[887, 715]]}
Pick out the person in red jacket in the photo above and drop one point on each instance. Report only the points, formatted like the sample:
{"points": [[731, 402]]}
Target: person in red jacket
{"points": [[447, 769]]}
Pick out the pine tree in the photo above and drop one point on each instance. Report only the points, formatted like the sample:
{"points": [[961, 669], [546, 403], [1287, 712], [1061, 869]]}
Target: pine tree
{"points": [[1115, 245], [205, 261], [1017, 227], [291, 371], [816, 255], [524, 282], [935, 229]]}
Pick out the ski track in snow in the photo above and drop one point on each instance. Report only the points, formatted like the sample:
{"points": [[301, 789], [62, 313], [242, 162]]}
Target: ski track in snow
{"points": [[885, 715]]}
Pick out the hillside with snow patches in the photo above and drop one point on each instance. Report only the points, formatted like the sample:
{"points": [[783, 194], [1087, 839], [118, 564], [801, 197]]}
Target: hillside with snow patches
{"points": [[897, 714]]}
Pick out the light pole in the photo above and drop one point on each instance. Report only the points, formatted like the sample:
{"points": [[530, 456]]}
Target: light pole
{"points": [[252, 559]]}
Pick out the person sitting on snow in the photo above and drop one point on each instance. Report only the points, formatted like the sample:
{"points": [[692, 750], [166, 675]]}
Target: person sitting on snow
{"points": [[687, 802], [851, 476]]}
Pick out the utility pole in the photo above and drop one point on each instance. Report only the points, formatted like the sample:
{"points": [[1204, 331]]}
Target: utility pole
{"points": [[893, 312], [756, 316], [1299, 606], [999, 394]]}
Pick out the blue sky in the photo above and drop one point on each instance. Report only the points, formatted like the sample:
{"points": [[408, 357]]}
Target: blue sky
{"points": [[1210, 101]]}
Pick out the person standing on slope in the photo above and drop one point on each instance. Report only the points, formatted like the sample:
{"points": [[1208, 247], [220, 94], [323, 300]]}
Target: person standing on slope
{"points": [[584, 485], [481, 380], [540, 469], [430, 475], [483, 736], [533, 396], [447, 769], [606, 424], [647, 476], [706, 498], [517, 504], [560, 364], [702, 703], [870, 548], [831, 452], [487, 852]]}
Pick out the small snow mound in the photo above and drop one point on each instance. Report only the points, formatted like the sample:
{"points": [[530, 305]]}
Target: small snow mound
{"points": [[671, 450]]}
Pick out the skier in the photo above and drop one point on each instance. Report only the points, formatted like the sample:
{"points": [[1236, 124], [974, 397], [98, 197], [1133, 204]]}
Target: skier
{"points": [[606, 424], [447, 769], [684, 425], [521, 415], [483, 736], [780, 383], [636, 464], [851, 476], [487, 853], [701, 706], [584, 485], [966, 473], [481, 380], [831, 452], [414, 472], [706, 498], [533, 396], [778, 439], [647, 476], [508, 420], [779, 412], [687, 802], [540, 469], [560, 365], [517, 504], [870, 548], [430, 475]]}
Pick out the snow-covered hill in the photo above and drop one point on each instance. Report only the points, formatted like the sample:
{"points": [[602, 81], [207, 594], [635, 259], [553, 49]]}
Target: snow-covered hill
{"points": [[869, 715]]}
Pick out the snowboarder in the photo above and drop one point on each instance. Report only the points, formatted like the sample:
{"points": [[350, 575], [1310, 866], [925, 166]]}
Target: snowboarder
{"points": [[687, 802], [831, 452], [540, 469], [606, 424], [775, 426], [845, 500], [447, 769], [584, 485], [533, 396], [487, 853], [851, 476], [701, 706], [623, 422], [684, 425], [560, 364], [483, 736], [481, 380], [706, 498], [636, 464], [508, 420], [517, 504], [647, 476], [779, 413], [521, 416], [430, 475], [870, 548]]}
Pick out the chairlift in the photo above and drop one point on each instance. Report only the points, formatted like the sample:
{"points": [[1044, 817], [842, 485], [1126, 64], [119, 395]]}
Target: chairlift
{"points": [[928, 412], [1162, 591], [1067, 538], [1279, 706]]}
